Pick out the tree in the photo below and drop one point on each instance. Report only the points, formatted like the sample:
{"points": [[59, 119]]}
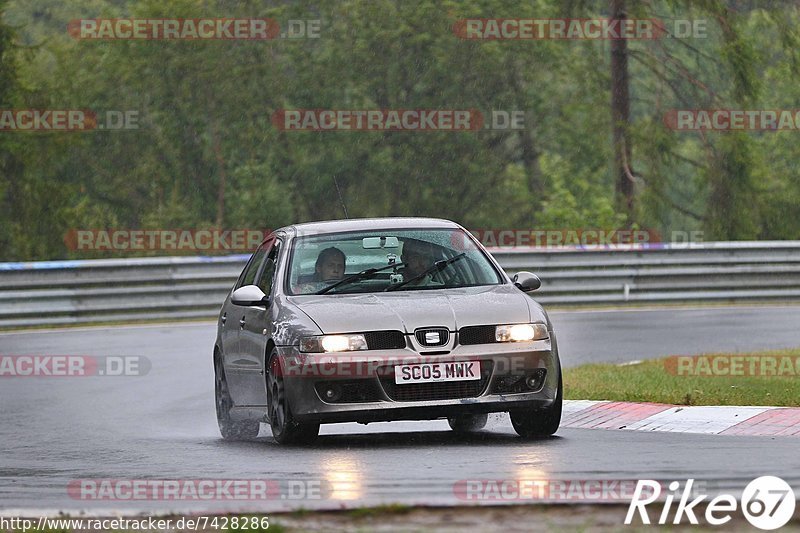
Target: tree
{"points": [[10, 164], [620, 116]]}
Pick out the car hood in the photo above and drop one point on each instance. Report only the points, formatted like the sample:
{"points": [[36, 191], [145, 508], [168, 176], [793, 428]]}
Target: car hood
{"points": [[409, 310]]}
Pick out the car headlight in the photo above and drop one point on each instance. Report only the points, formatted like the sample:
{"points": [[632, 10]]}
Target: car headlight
{"points": [[333, 343], [521, 332]]}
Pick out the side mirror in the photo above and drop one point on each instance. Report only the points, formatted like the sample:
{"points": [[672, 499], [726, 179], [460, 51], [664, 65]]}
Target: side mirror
{"points": [[249, 295], [526, 281]]}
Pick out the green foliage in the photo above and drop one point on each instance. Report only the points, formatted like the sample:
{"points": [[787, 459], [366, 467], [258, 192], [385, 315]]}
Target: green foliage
{"points": [[206, 153]]}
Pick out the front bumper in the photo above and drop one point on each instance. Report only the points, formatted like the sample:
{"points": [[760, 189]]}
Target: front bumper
{"points": [[502, 387]]}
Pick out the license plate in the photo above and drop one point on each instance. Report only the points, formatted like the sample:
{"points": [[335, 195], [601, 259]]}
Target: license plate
{"points": [[436, 372]]}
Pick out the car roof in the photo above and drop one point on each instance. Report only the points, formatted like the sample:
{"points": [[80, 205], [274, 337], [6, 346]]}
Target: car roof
{"points": [[362, 224]]}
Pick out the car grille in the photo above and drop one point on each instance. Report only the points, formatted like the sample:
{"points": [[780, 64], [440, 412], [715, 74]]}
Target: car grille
{"points": [[447, 390], [354, 391], [477, 335], [385, 340]]}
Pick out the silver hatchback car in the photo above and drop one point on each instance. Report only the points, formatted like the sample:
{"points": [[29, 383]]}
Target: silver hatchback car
{"points": [[382, 319]]}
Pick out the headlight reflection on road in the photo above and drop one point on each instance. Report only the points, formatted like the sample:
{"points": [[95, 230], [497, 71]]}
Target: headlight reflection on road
{"points": [[344, 476], [531, 473], [532, 482]]}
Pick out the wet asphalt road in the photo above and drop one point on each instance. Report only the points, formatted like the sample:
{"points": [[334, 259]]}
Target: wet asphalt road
{"points": [[162, 425]]}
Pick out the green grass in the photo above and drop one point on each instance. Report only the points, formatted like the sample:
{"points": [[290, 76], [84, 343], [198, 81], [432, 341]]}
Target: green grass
{"points": [[652, 381]]}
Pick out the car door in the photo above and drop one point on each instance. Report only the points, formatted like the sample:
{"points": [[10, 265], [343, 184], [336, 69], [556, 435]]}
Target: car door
{"points": [[238, 366], [228, 331], [256, 332]]}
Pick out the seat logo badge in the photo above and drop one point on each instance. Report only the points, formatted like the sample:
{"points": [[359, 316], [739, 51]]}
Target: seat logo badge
{"points": [[432, 336]]}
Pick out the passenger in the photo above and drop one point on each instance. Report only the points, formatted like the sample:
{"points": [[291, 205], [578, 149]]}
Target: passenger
{"points": [[417, 257]]}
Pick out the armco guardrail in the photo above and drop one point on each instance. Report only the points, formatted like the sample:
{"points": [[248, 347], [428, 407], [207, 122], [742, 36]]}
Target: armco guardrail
{"points": [[68, 292]]}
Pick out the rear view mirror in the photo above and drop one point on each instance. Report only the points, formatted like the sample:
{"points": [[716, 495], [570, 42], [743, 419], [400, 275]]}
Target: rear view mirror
{"points": [[526, 281], [370, 243], [249, 295]]}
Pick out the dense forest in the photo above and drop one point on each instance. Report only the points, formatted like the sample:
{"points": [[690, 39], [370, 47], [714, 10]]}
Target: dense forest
{"points": [[596, 148]]}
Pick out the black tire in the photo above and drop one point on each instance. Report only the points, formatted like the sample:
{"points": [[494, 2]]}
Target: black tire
{"points": [[230, 429], [467, 423], [533, 422], [285, 429]]}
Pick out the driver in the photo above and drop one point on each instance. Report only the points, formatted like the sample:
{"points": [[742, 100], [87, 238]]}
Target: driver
{"points": [[330, 265], [328, 269]]}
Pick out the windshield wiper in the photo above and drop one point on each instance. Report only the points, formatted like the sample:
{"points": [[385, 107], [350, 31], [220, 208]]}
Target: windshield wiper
{"points": [[364, 274], [438, 266]]}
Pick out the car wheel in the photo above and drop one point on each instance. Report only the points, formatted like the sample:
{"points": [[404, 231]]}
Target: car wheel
{"points": [[467, 423], [533, 422], [285, 429], [229, 428]]}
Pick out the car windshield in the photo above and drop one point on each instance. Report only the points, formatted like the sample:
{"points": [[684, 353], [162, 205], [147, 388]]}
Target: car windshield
{"points": [[381, 260]]}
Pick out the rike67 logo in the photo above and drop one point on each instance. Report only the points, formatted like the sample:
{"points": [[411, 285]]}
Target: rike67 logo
{"points": [[768, 503]]}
